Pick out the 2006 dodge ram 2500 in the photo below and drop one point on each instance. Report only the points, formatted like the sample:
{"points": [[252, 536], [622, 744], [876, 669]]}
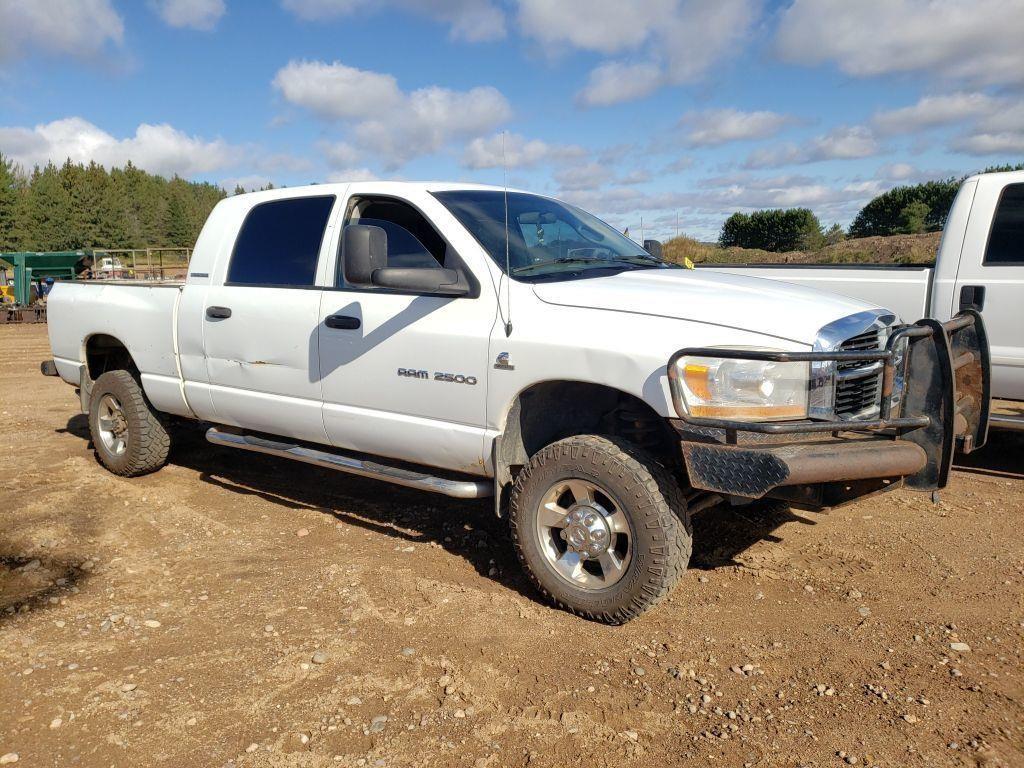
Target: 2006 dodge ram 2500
{"points": [[476, 342]]}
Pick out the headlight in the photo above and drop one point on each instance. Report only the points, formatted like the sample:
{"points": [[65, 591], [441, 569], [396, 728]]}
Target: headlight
{"points": [[743, 390]]}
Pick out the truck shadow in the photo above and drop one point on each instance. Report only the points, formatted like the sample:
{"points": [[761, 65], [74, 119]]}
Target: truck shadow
{"points": [[1002, 456], [723, 532], [468, 529]]}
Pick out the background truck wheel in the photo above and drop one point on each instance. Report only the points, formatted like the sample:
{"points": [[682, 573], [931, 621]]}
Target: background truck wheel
{"points": [[127, 433], [601, 528]]}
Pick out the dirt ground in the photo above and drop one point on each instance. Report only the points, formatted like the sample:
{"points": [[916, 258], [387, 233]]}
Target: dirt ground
{"points": [[232, 609]]}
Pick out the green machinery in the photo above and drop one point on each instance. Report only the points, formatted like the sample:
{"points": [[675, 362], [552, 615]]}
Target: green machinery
{"points": [[29, 267]]}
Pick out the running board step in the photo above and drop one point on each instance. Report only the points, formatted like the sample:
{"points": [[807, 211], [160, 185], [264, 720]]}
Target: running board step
{"points": [[1000, 421], [459, 489]]}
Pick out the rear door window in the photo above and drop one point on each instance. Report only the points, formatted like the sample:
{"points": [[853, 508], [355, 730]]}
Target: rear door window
{"points": [[279, 242], [1006, 240]]}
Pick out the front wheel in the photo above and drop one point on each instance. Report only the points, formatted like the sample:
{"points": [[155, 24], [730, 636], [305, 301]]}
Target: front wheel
{"points": [[600, 527]]}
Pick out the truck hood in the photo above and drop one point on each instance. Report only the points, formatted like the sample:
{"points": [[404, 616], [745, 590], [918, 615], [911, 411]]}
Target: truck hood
{"points": [[768, 307]]}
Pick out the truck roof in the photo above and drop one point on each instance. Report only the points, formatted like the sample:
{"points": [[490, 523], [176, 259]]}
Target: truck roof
{"points": [[374, 187], [1008, 176]]}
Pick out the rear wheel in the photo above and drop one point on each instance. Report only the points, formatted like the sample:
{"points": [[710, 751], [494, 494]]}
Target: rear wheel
{"points": [[127, 433], [600, 526]]}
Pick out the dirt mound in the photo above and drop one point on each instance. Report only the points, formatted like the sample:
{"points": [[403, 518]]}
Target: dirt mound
{"points": [[895, 249]]}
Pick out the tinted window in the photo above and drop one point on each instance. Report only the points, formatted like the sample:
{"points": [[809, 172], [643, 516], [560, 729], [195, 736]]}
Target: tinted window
{"points": [[279, 242], [412, 240], [1006, 240], [404, 250]]}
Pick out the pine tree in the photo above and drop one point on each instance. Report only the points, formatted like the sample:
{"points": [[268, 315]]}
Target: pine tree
{"points": [[85, 206], [75, 224], [8, 202], [178, 228], [112, 221], [49, 208]]}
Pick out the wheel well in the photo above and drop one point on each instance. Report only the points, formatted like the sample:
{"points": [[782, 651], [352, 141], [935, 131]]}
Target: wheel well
{"points": [[106, 353], [554, 410]]}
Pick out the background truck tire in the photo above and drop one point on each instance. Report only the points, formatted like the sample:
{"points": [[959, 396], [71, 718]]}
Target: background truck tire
{"points": [[625, 479], [127, 433]]}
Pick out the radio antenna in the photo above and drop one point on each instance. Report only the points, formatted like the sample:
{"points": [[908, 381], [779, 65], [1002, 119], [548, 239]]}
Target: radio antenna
{"points": [[508, 270]]}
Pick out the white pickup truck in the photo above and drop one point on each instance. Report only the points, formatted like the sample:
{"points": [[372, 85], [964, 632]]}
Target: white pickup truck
{"points": [[980, 265], [479, 342]]}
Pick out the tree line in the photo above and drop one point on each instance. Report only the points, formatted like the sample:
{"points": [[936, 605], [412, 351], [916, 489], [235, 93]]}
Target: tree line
{"points": [[909, 209], [86, 206]]}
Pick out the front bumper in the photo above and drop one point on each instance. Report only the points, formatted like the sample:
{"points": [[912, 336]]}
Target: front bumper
{"points": [[945, 403]]}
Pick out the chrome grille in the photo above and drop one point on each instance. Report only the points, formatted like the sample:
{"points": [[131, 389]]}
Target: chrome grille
{"points": [[858, 382]]}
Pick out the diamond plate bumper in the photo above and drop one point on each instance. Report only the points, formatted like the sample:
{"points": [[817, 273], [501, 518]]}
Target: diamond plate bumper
{"points": [[755, 470]]}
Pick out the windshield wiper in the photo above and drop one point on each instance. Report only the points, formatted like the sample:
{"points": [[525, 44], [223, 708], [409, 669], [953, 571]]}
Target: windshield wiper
{"points": [[552, 262], [649, 260]]}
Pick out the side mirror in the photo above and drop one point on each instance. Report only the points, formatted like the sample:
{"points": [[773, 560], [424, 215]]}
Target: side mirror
{"points": [[653, 247], [448, 282], [365, 256], [364, 250]]}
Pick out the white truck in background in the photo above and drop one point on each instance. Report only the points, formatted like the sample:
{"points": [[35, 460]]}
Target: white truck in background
{"points": [[479, 342], [980, 265]]}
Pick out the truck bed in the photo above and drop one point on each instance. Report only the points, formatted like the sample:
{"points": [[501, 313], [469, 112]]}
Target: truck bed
{"points": [[130, 282], [904, 288]]}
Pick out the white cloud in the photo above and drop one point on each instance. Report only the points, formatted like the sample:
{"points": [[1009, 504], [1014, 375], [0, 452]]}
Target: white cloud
{"points": [[897, 172], [195, 14], [712, 127], [934, 111], [586, 176], [1001, 143], [1000, 132], [160, 149], [519, 152], [340, 154], [679, 165], [843, 143], [977, 41], [353, 174], [471, 20], [616, 82], [665, 42], [604, 26], [78, 28], [336, 91], [636, 176], [386, 121]]}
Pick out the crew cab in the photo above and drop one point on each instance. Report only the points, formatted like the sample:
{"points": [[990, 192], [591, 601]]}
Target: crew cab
{"points": [[479, 342], [979, 265]]}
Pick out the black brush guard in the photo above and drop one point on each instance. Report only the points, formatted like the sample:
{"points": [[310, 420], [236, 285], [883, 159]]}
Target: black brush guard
{"points": [[945, 403]]}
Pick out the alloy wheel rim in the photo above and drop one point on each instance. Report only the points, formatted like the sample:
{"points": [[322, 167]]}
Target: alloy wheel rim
{"points": [[113, 425], [584, 535]]}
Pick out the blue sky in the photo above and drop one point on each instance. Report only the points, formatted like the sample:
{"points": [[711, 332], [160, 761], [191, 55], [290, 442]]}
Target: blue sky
{"points": [[656, 108]]}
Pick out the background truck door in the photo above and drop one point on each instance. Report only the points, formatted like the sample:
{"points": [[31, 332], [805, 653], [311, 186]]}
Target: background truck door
{"points": [[405, 375], [991, 278], [260, 326]]}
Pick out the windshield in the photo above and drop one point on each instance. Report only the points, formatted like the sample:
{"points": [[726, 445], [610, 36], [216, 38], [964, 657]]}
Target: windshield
{"points": [[546, 238]]}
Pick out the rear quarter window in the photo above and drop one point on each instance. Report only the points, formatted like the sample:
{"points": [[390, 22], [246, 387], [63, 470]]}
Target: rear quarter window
{"points": [[1006, 238], [279, 242]]}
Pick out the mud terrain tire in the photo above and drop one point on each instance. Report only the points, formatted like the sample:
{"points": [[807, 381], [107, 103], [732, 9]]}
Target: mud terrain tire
{"points": [[127, 432], [643, 490]]}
